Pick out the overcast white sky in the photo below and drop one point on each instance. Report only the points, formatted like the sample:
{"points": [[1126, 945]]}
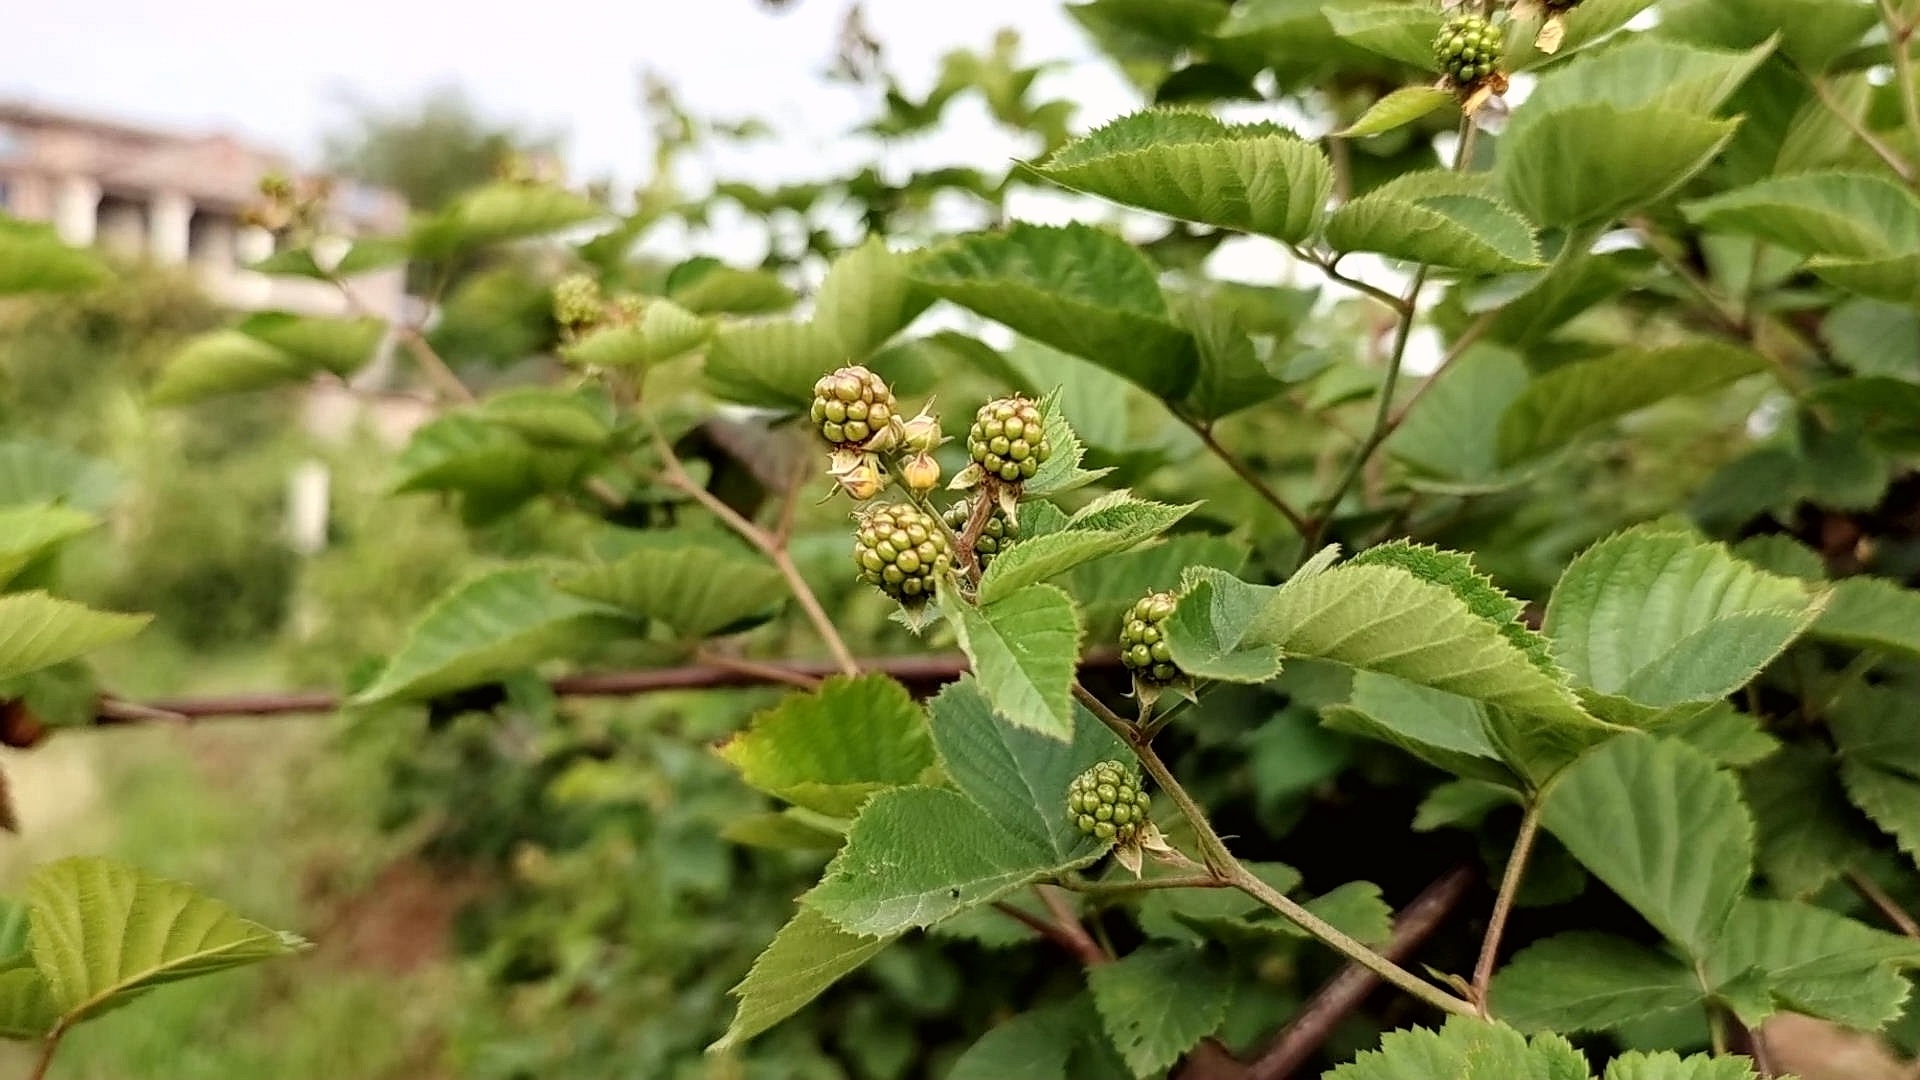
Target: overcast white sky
{"points": [[274, 72]]}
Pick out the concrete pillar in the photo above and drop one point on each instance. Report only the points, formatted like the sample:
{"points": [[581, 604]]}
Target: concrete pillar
{"points": [[77, 210], [169, 227]]}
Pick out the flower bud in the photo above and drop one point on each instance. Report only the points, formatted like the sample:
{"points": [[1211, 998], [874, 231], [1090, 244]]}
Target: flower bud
{"points": [[921, 473], [922, 433]]}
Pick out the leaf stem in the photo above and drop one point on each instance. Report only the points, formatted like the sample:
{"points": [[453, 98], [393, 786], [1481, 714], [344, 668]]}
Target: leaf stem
{"points": [[1128, 886], [1503, 902], [47, 1048], [1245, 472], [1467, 339], [1872, 893], [674, 475], [1227, 869]]}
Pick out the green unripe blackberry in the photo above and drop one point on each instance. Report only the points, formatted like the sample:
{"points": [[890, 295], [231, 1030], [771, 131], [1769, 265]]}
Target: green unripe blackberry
{"points": [[1468, 49], [901, 551], [993, 539], [1107, 802], [1008, 440], [577, 304], [851, 406], [1143, 640]]}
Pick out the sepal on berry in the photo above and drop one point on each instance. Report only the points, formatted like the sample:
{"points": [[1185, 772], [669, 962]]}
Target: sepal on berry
{"points": [[857, 472]]}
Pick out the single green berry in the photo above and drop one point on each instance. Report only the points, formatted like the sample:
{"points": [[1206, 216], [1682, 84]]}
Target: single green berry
{"points": [[1008, 440], [993, 539], [1468, 49], [851, 406], [1143, 640], [1107, 802], [901, 551]]}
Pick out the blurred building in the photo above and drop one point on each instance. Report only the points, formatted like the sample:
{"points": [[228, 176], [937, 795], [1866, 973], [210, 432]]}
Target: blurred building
{"points": [[178, 199]]}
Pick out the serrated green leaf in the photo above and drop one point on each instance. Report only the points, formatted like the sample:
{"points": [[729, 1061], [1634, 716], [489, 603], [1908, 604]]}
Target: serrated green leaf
{"points": [[1035, 1045], [488, 626], [1254, 178], [1871, 613], [1585, 24], [918, 855], [1208, 624], [547, 416], [1461, 803], [34, 259], [1061, 472], [104, 932], [867, 298], [664, 331], [1441, 219], [28, 532], [499, 212], [1805, 827], [1117, 523], [1849, 215], [704, 286], [1158, 1002], [1662, 618], [1567, 402], [226, 362], [1442, 729], [1456, 571], [38, 630], [1584, 981], [1465, 1049], [1450, 433], [773, 362], [1729, 737], [1232, 374], [1879, 725], [832, 749], [1664, 828], [697, 590], [1647, 70], [1402, 107], [1895, 279], [1024, 649], [1816, 962], [1077, 288], [808, 955], [1018, 776], [1592, 163], [339, 346], [1667, 1065], [1890, 799], [1403, 32]]}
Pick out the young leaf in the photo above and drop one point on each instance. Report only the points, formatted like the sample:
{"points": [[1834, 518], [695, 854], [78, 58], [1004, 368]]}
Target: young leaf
{"points": [[1816, 962], [1667, 1065], [1689, 851], [1570, 400], [663, 332], [226, 362], [1465, 1049], [697, 590], [28, 532], [486, 627], [1850, 215], [1122, 523], [1024, 649], [831, 749], [808, 955], [1061, 472], [1402, 107], [1207, 627], [1253, 178], [1441, 219], [1018, 776], [104, 932], [917, 855], [1079, 289], [1158, 1002], [38, 630], [1583, 981], [1661, 618]]}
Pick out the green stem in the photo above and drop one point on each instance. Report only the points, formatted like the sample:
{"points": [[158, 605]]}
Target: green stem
{"points": [[1245, 472], [47, 1048], [1900, 166], [1125, 887], [1503, 903], [1225, 868]]}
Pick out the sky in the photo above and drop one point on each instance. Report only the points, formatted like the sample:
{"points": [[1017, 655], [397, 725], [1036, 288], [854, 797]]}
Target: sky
{"points": [[280, 75]]}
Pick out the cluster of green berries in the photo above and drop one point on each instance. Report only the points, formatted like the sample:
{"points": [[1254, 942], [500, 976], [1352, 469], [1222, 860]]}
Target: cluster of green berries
{"points": [[851, 406], [1143, 640], [1468, 49], [993, 539], [1107, 802], [901, 551], [1008, 440], [577, 303]]}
